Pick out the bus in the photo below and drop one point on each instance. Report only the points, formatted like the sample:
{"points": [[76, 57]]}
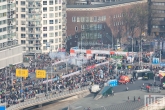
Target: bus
{"points": [[143, 74]]}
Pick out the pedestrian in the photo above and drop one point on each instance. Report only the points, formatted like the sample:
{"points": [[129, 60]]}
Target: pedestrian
{"points": [[128, 98], [139, 98], [134, 99]]}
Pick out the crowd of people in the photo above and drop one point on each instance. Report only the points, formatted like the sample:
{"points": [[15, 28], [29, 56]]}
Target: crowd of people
{"points": [[15, 90]]}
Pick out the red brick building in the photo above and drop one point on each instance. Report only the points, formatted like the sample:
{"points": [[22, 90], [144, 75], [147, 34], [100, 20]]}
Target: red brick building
{"points": [[95, 25]]}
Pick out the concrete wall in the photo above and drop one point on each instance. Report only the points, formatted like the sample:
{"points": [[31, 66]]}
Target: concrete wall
{"points": [[11, 55]]}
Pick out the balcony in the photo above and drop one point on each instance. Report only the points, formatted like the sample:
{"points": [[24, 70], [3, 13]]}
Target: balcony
{"points": [[33, 32], [30, 45], [158, 30], [34, 6], [37, 44], [33, 0], [33, 38], [34, 51], [34, 25], [9, 1], [34, 12], [33, 19]]}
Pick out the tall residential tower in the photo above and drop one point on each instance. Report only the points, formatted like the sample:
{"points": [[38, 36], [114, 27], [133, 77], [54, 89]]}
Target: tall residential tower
{"points": [[40, 22]]}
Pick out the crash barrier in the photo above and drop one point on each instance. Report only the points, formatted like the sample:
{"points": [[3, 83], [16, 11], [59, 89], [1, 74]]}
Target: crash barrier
{"points": [[48, 98], [75, 73], [156, 105], [154, 89]]}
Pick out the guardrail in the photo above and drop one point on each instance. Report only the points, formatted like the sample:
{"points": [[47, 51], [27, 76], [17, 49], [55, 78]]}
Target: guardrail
{"points": [[48, 98], [158, 105]]}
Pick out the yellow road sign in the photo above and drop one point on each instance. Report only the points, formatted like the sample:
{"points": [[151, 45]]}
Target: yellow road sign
{"points": [[40, 74], [21, 73]]}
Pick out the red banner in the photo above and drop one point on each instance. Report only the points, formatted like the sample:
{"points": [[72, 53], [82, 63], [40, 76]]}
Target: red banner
{"points": [[90, 67]]}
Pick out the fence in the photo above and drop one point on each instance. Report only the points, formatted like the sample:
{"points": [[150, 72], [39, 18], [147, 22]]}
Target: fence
{"points": [[48, 98]]}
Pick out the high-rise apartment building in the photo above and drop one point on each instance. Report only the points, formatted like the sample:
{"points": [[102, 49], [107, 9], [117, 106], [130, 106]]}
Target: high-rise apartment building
{"points": [[40, 22], [7, 23]]}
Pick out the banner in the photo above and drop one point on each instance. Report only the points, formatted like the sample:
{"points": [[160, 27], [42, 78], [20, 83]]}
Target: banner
{"points": [[164, 46], [161, 45], [90, 67], [40, 74], [21, 73], [156, 44]]}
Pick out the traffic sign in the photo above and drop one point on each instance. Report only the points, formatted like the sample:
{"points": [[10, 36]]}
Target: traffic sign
{"points": [[40, 74], [21, 73]]}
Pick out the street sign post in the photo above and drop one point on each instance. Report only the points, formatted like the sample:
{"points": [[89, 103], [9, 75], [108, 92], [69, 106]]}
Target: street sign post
{"points": [[21, 73], [40, 74]]}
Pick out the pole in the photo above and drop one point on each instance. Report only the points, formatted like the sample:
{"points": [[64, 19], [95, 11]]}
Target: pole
{"points": [[5, 86], [12, 79], [82, 58], [47, 84], [132, 51], [35, 60], [160, 56], [108, 59], [112, 41], [141, 52]]}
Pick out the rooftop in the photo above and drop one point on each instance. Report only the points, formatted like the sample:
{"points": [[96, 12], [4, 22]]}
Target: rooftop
{"points": [[103, 4]]}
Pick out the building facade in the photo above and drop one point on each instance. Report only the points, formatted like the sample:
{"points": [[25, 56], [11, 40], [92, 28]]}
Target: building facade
{"points": [[40, 22], [96, 25], [157, 18], [7, 23]]}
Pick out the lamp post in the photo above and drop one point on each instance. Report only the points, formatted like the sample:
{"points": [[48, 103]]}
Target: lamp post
{"points": [[108, 58], [132, 52]]}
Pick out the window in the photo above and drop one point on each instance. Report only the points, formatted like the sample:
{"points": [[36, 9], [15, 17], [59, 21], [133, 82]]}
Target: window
{"points": [[59, 26], [23, 35], [56, 1], [51, 34], [56, 14], [50, 8], [51, 28], [56, 27], [44, 41], [59, 39], [51, 41], [59, 7], [45, 22], [78, 19], [44, 15], [82, 27], [22, 15], [56, 8], [22, 41], [44, 2], [56, 34], [82, 19], [23, 22], [51, 15], [56, 21], [44, 35], [56, 47], [56, 40], [51, 22], [17, 2], [50, 2], [23, 29], [16, 28], [73, 19], [44, 28], [22, 9], [76, 28], [60, 33], [44, 9], [59, 14], [91, 19], [44, 48], [22, 3]]}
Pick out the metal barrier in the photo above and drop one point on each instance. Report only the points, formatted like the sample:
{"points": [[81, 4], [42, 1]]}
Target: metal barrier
{"points": [[48, 98]]}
